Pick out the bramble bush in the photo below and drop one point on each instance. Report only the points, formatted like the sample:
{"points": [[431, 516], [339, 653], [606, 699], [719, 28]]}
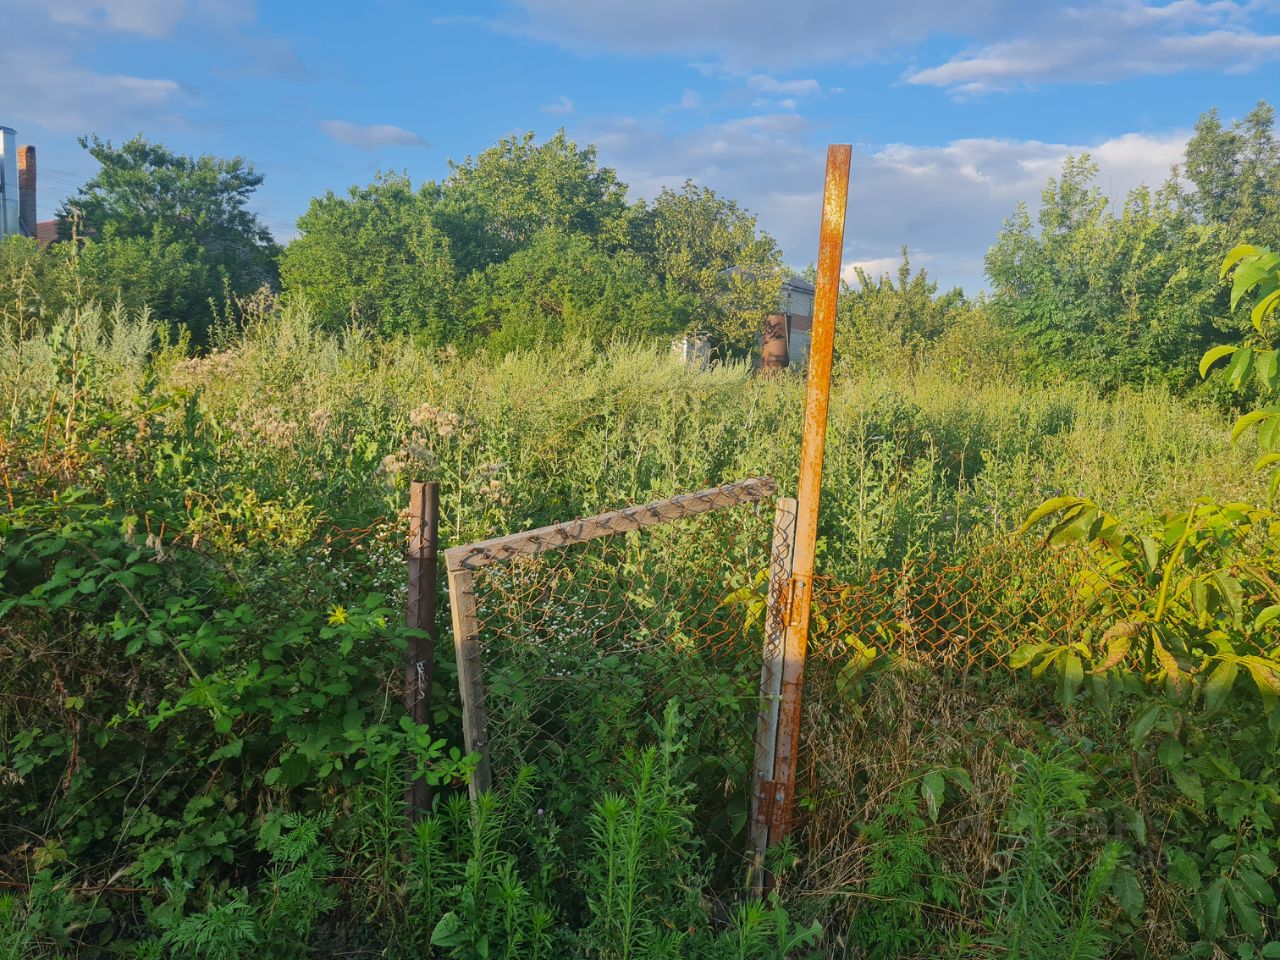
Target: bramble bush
{"points": [[1185, 606]]}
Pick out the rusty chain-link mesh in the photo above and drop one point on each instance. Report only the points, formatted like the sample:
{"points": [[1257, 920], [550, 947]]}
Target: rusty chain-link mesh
{"points": [[940, 694], [963, 616], [582, 644], [952, 619]]}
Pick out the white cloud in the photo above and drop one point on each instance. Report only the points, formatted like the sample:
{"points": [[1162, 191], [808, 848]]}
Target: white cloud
{"points": [[51, 92], [50, 88], [952, 199], [949, 200], [149, 18], [878, 266], [370, 136], [1012, 44], [764, 83], [1110, 41], [560, 104]]}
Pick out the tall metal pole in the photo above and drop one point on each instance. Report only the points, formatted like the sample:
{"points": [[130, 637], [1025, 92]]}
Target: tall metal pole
{"points": [[817, 396], [420, 657]]}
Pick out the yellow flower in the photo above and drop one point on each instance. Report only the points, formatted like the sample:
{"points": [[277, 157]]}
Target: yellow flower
{"points": [[337, 615]]}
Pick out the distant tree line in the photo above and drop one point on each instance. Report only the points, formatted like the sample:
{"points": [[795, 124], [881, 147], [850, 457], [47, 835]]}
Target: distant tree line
{"points": [[526, 242], [151, 229], [531, 243]]}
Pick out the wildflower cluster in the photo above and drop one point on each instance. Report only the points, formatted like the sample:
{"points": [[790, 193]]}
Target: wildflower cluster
{"points": [[445, 422], [492, 488], [416, 450], [199, 370], [265, 425]]}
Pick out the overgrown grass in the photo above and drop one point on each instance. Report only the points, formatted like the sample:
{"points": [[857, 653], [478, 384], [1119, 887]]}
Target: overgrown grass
{"points": [[202, 573]]}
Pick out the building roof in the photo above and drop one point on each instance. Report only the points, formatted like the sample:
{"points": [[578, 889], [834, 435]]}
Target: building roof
{"points": [[46, 232], [798, 283]]}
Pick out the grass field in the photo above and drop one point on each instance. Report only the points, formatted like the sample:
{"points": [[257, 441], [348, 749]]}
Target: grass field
{"points": [[200, 735]]}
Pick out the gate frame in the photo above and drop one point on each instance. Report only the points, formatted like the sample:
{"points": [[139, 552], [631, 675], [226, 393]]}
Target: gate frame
{"points": [[463, 561]]}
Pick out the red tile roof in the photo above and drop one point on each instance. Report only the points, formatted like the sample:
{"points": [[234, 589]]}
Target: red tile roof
{"points": [[46, 232]]}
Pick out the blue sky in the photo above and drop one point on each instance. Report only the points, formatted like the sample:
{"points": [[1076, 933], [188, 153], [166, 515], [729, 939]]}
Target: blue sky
{"points": [[957, 110]]}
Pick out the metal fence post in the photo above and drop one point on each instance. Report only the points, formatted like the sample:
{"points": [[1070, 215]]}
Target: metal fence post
{"points": [[817, 396], [420, 657], [764, 788]]}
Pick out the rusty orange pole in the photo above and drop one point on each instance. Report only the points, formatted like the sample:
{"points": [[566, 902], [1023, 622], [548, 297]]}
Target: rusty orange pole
{"points": [[817, 397]]}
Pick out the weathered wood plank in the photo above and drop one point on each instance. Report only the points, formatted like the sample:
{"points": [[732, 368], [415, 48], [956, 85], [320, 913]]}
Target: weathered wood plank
{"points": [[419, 661], [466, 649], [557, 535]]}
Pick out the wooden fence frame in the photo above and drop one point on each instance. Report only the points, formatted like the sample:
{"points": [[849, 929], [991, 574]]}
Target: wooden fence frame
{"points": [[461, 563]]}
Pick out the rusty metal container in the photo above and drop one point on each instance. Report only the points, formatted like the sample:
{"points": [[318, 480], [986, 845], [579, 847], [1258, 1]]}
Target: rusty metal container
{"points": [[774, 354]]}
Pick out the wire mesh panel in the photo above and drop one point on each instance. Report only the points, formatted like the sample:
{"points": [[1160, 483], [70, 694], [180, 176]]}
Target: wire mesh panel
{"points": [[964, 616], [888, 656], [573, 640], [911, 695]]}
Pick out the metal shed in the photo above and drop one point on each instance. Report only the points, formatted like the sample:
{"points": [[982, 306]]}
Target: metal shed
{"points": [[785, 338]]}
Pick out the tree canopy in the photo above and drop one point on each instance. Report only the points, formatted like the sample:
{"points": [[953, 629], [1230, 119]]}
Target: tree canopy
{"points": [[706, 247], [562, 285], [171, 231], [375, 257], [531, 241], [1129, 292], [493, 204]]}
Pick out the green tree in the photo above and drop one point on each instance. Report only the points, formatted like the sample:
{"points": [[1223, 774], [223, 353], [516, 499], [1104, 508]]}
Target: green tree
{"points": [[1106, 297], [563, 286], [901, 319], [1233, 174], [492, 205], [375, 257], [1132, 296], [708, 248], [187, 214]]}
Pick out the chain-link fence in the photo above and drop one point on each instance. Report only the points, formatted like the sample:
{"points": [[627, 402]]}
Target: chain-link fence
{"points": [[911, 695], [967, 615], [573, 640]]}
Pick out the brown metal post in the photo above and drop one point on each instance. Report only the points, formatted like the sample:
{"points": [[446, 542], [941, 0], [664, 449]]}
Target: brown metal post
{"points": [[27, 190], [420, 657], [818, 391]]}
